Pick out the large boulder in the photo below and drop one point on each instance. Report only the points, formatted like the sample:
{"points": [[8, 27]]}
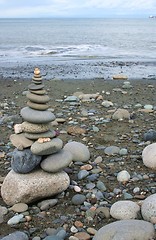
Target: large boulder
{"points": [[148, 208], [149, 156], [27, 188], [126, 230]]}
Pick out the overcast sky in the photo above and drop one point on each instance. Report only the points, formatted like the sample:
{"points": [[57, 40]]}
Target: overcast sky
{"points": [[77, 8]]}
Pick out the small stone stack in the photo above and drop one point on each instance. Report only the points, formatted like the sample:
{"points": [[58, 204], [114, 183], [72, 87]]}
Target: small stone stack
{"points": [[38, 118], [38, 160]]}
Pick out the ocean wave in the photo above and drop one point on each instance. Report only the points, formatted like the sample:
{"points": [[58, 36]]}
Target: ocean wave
{"points": [[83, 51]]}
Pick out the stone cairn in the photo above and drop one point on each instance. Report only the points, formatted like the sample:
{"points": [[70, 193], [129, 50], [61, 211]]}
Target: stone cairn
{"points": [[38, 160]]}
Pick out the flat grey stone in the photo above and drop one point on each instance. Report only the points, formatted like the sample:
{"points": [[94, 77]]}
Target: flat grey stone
{"points": [[71, 99], [39, 92], [111, 150], [19, 207], [82, 174], [16, 235], [57, 161], [38, 98], [35, 136], [24, 161], [32, 186], [36, 116], [78, 199], [126, 230], [35, 86], [47, 148], [37, 106], [35, 128], [20, 141], [46, 204]]}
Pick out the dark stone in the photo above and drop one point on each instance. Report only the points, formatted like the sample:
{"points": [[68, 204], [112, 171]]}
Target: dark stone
{"points": [[24, 161], [150, 135]]}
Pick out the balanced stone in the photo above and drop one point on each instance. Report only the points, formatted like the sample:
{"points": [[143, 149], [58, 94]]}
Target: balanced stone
{"points": [[39, 92], [33, 86], [38, 98], [36, 116], [79, 151], [27, 188], [24, 161], [37, 76], [126, 229], [37, 82], [47, 148], [35, 136], [35, 128], [124, 210], [20, 141], [57, 161], [37, 106]]}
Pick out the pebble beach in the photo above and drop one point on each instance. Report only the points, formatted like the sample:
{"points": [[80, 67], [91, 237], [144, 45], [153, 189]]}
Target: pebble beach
{"points": [[112, 171]]}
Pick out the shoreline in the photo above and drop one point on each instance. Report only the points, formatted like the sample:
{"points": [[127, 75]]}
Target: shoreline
{"points": [[79, 69]]}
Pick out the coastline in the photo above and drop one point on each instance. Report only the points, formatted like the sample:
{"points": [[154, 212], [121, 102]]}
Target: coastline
{"points": [[78, 69]]}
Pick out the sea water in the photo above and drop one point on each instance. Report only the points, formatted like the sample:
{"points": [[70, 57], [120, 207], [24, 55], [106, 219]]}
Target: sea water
{"points": [[52, 40]]}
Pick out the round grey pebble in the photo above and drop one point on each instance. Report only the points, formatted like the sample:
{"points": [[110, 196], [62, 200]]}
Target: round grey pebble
{"points": [[93, 177], [82, 174], [90, 186], [150, 135], [101, 186], [78, 199], [16, 235]]}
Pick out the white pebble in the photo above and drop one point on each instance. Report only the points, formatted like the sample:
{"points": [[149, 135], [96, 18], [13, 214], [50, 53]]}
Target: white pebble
{"points": [[123, 176], [16, 219], [77, 189]]}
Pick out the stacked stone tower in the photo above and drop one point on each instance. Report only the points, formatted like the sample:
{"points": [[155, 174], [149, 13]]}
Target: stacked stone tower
{"points": [[38, 160], [37, 119]]}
